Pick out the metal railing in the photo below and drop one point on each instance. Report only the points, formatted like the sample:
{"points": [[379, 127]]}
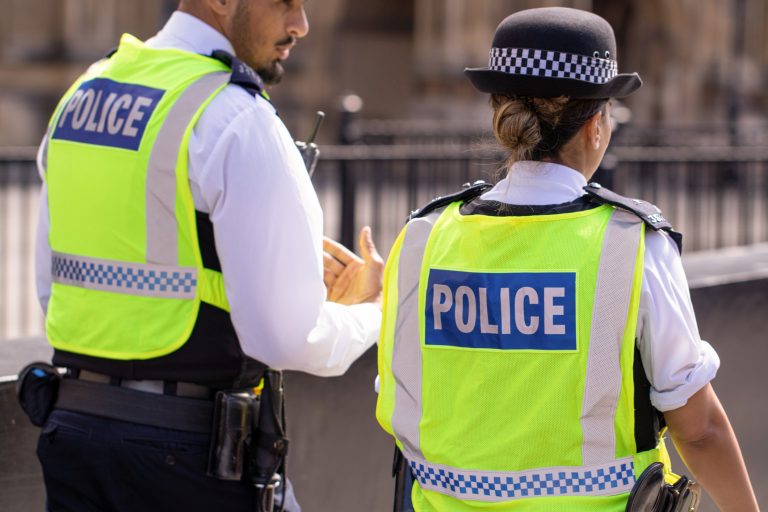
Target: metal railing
{"points": [[435, 131], [716, 196], [19, 189]]}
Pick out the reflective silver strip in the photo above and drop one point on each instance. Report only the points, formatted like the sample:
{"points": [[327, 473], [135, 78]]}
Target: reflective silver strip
{"points": [[42, 161], [613, 292], [406, 352], [162, 233], [609, 479], [122, 277]]}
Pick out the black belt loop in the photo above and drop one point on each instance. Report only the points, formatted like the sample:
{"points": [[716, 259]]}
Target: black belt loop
{"points": [[115, 381], [170, 387]]}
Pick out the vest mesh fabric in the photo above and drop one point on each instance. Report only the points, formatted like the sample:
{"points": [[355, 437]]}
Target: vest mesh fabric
{"points": [[510, 410]]}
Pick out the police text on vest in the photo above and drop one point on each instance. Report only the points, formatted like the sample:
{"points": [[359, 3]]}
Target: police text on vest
{"points": [[526, 310], [107, 113]]}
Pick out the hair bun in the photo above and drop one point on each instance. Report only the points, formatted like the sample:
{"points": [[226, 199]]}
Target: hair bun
{"points": [[516, 126]]}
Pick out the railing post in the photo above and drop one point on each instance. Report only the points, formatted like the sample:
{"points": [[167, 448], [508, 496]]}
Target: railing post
{"points": [[350, 105]]}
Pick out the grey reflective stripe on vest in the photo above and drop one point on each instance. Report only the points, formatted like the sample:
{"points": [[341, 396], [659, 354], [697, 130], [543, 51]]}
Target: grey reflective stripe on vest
{"points": [[42, 159], [406, 352], [613, 293], [122, 277], [162, 232], [609, 479]]}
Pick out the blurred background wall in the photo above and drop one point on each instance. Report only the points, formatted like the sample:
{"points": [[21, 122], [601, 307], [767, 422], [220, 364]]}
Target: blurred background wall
{"points": [[402, 119], [703, 61], [693, 140]]}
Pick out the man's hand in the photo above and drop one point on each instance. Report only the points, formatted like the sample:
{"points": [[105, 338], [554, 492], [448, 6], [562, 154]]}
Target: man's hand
{"points": [[349, 278]]}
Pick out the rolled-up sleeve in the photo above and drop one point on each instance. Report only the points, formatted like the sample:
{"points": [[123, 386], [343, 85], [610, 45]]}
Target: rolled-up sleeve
{"points": [[249, 176], [677, 361]]}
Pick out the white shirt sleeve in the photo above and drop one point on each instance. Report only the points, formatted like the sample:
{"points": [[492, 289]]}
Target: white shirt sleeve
{"points": [[247, 173], [43, 276], [677, 362]]}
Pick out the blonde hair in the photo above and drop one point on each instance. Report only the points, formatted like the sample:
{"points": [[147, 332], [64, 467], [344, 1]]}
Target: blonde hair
{"points": [[537, 128]]}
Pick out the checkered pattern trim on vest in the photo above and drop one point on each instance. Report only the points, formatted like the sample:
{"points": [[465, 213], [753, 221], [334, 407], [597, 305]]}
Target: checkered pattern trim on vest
{"points": [[607, 479], [124, 277], [545, 63]]}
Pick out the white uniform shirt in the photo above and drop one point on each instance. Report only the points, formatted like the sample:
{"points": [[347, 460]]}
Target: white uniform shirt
{"points": [[247, 174], [677, 361]]}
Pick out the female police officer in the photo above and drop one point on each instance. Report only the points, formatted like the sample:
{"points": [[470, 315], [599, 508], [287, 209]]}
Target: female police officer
{"points": [[537, 338]]}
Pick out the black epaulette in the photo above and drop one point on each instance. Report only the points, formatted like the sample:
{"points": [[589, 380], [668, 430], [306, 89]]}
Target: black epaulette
{"points": [[647, 212], [242, 74], [468, 192]]}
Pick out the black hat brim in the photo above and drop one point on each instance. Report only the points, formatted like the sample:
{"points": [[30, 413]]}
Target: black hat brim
{"points": [[498, 82]]}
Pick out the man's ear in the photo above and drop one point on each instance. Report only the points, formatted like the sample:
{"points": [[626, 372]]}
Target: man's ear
{"points": [[220, 7]]}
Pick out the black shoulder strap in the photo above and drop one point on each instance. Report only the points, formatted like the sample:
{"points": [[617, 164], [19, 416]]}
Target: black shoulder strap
{"points": [[649, 213], [242, 74], [467, 193]]}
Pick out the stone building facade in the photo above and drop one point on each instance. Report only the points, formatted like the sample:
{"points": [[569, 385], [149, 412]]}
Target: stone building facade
{"points": [[704, 62]]}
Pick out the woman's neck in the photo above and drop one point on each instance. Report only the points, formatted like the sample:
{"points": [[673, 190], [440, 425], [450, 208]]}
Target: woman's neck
{"points": [[579, 164]]}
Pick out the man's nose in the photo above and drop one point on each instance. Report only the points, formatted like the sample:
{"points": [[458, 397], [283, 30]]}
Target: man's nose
{"points": [[297, 24]]}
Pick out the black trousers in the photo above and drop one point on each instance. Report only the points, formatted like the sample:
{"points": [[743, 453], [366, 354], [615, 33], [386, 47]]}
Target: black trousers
{"points": [[94, 464], [403, 502]]}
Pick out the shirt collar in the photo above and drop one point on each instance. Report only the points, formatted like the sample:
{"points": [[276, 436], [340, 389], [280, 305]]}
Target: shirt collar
{"points": [[538, 183], [183, 31]]}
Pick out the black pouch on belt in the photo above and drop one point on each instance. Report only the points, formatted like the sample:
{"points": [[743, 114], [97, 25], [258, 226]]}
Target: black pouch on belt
{"points": [[37, 388], [652, 494], [269, 447], [235, 417]]}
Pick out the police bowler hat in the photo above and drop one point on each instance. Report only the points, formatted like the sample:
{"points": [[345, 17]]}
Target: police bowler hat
{"points": [[554, 51]]}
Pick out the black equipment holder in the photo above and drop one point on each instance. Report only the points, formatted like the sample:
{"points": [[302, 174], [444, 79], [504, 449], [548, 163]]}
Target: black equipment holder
{"points": [[234, 419], [652, 494], [37, 389], [268, 447], [248, 439]]}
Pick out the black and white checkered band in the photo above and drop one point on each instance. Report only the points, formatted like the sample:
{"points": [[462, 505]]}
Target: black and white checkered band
{"points": [[546, 63]]}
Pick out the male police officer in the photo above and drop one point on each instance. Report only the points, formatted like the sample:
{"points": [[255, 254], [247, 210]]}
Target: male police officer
{"points": [[179, 253]]}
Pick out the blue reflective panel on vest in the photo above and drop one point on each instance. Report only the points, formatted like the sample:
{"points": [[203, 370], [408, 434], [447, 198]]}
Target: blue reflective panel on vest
{"points": [[107, 113], [507, 311]]}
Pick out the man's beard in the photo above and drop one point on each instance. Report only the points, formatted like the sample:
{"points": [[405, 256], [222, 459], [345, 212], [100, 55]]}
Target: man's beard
{"points": [[244, 41], [270, 74]]}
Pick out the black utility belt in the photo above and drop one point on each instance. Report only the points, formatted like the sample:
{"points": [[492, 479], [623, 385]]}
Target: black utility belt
{"points": [[161, 387], [126, 404], [247, 426]]}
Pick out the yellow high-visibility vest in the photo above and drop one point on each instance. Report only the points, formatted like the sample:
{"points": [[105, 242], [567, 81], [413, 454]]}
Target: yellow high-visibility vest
{"points": [[506, 359], [128, 276]]}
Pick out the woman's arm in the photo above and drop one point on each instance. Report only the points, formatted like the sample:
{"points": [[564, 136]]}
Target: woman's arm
{"points": [[705, 440]]}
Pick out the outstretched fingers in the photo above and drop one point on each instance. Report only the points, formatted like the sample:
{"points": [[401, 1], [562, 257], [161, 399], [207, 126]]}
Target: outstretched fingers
{"points": [[332, 269], [338, 251], [367, 247]]}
